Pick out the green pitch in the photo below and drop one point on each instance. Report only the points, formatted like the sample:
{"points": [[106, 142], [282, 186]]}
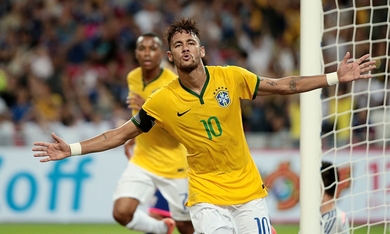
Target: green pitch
{"points": [[117, 229]]}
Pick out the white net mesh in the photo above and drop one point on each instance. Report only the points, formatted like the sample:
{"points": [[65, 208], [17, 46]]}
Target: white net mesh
{"points": [[356, 116]]}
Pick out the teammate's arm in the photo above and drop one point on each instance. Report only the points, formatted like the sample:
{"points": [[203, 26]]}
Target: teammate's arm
{"points": [[134, 102], [297, 84], [128, 145]]}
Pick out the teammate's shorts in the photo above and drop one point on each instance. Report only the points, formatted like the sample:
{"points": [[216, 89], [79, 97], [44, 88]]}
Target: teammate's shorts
{"points": [[141, 184], [159, 205], [248, 218]]}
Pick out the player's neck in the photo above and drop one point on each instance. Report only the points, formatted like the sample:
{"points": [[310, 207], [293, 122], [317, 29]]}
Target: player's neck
{"points": [[193, 80], [150, 75], [327, 205]]}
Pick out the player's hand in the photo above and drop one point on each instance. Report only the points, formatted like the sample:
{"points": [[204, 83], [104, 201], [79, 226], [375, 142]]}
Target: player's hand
{"points": [[127, 151], [52, 151], [356, 70], [134, 101], [128, 145]]}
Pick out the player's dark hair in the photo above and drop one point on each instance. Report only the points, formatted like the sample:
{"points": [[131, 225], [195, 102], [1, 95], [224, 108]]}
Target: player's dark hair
{"points": [[330, 177], [151, 34], [187, 25]]}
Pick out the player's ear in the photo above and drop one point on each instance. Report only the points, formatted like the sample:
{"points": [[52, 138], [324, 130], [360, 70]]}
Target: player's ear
{"points": [[169, 55], [202, 51]]}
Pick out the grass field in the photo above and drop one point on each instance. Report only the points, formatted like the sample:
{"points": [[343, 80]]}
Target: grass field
{"points": [[116, 229]]}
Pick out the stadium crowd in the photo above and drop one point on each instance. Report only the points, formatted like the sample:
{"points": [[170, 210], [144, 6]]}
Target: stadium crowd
{"points": [[63, 63]]}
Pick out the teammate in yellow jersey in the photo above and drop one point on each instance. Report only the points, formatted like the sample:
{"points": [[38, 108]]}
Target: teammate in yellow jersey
{"points": [[158, 160], [201, 110]]}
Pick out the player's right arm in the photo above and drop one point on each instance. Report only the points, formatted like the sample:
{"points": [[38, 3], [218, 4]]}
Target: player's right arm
{"points": [[105, 141]]}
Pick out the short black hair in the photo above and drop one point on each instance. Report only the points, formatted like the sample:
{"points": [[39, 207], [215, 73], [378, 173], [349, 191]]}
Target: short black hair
{"points": [[187, 25], [330, 177], [151, 34]]}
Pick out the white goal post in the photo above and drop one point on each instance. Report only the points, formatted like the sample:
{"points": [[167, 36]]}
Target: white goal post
{"points": [[310, 108], [352, 119]]}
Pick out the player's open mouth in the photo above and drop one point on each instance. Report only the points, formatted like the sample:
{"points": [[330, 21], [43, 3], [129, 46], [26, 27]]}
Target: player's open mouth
{"points": [[186, 57]]}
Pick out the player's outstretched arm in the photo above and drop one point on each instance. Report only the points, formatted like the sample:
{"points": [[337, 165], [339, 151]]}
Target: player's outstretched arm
{"points": [[105, 141], [347, 72]]}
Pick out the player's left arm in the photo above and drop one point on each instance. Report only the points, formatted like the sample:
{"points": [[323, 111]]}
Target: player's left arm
{"points": [[347, 72]]}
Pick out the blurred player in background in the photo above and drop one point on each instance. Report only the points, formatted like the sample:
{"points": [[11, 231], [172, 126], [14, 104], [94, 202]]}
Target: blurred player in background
{"points": [[333, 219], [159, 209], [201, 109], [158, 160]]}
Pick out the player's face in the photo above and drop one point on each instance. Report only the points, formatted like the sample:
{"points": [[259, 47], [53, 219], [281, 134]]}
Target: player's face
{"points": [[149, 53], [186, 52]]}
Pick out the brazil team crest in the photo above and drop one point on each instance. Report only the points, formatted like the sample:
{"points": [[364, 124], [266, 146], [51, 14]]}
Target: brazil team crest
{"points": [[222, 97]]}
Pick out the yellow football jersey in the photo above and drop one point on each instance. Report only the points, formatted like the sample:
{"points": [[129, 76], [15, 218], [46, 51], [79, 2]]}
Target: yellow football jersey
{"points": [[221, 169], [156, 151]]}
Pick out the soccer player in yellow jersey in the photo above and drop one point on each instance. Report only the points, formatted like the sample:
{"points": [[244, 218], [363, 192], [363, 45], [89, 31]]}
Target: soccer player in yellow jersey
{"points": [[201, 110], [158, 160]]}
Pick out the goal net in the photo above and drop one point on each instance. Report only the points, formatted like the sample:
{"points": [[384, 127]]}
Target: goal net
{"points": [[355, 131]]}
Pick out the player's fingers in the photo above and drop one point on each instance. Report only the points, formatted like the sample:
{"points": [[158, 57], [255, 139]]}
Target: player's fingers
{"points": [[345, 59], [37, 149], [365, 76], [134, 106], [367, 66], [40, 143], [367, 69], [43, 154], [361, 59], [45, 160], [137, 95], [55, 137]]}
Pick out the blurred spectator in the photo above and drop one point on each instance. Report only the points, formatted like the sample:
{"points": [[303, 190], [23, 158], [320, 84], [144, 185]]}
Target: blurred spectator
{"points": [[46, 105], [40, 63], [70, 58], [73, 55], [6, 126], [21, 110], [149, 17]]}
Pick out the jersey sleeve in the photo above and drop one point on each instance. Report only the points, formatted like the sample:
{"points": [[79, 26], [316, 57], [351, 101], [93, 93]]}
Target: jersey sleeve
{"points": [[247, 82], [155, 105]]}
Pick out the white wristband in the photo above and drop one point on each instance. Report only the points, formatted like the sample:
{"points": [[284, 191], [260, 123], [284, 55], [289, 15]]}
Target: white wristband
{"points": [[332, 78], [75, 149]]}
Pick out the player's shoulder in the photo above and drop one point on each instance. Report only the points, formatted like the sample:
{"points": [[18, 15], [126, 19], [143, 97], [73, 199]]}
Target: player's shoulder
{"points": [[168, 74], [225, 69], [166, 89], [136, 72]]}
